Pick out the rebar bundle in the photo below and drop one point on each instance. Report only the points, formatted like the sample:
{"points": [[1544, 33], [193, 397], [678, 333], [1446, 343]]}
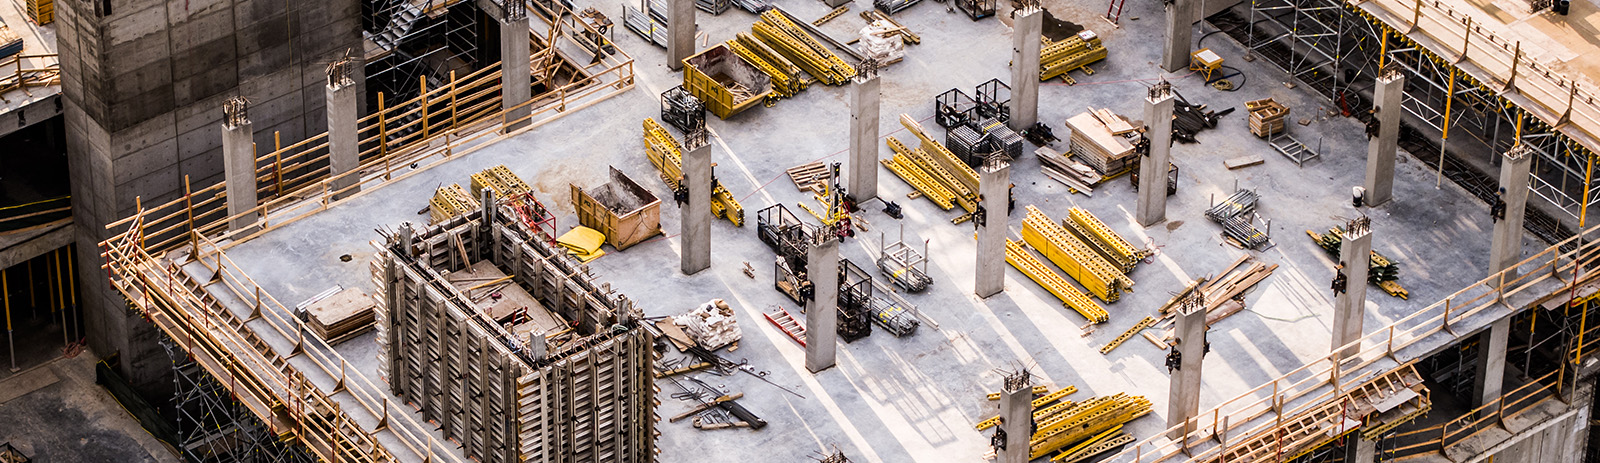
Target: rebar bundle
{"points": [[1241, 228], [893, 318]]}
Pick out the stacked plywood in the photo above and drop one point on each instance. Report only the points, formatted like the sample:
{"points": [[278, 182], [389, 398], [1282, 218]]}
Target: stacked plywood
{"points": [[1074, 174], [1266, 117], [1103, 142], [342, 316]]}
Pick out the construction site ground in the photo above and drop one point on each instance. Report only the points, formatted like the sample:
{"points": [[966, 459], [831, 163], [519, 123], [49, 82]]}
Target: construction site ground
{"points": [[917, 398]]}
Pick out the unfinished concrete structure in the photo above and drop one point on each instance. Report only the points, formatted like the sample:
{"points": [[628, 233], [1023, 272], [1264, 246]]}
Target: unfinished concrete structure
{"points": [[558, 371], [864, 118], [1350, 302], [994, 187], [1026, 27], [1153, 163]]}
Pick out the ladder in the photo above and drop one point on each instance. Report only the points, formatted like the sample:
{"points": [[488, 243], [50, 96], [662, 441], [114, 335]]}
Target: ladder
{"points": [[788, 324], [1114, 11]]}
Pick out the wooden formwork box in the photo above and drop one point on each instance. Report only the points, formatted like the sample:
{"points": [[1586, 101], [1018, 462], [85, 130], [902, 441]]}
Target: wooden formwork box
{"points": [[621, 209], [496, 403]]}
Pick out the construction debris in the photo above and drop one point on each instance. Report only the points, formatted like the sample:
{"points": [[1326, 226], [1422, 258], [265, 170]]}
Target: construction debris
{"points": [[621, 210], [711, 324]]}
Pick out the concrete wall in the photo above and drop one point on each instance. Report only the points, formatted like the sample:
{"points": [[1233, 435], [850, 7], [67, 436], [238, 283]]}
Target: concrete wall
{"points": [[144, 84], [1563, 441]]}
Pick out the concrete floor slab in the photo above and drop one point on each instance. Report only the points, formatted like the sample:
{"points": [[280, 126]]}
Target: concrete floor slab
{"points": [[73, 419]]}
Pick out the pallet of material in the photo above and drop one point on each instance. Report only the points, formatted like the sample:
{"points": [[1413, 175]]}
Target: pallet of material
{"points": [[1073, 256], [621, 209], [500, 180], [1025, 262], [1266, 117], [450, 201], [1074, 174], [1097, 146], [344, 315]]}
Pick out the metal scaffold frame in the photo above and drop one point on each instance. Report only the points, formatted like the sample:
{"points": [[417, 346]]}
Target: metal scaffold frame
{"points": [[212, 425], [1337, 48]]}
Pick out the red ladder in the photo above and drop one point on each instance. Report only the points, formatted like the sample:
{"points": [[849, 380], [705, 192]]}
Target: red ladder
{"points": [[788, 324]]}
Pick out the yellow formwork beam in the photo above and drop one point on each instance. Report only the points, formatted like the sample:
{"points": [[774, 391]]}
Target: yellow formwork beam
{"points": [[1116, 412], [1144, 323], [908, 171], [1123, 252], [964, 197], [1040, 273], [936, 150], [666, 154], [1073, 256], [1036, 390]]}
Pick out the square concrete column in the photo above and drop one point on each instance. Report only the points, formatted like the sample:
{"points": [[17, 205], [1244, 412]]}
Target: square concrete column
{"points": [[680, 32], [1180, 32], [696, 212], [1025, 30], [1381, 147], [1505, 248], [239, 163], [343, 143], [1190, 338], [1016, 419], [994, 185], [1362, 450], [822, 311], [1350, 306], [1491, 368], [864, 120], [1158, 103], [515, 73]]}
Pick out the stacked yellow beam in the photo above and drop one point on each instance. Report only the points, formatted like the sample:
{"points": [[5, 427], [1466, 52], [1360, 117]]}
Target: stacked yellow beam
{"points": [[1039, 405], [1073, 256], [960, 194], [500, 180], [665, 153], [1058, 58], [786, 81], [793, 43], [1108, 243], [1087, 420], [1040, 273], [450, 201], [936, 151]]}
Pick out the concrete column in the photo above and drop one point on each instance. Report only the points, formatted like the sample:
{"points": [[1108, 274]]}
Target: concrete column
{"points": [[696, 220], [822, 311], [515, 73], [994, 183], [239, 170], [1350, 306], [1025, 30], [1381, 148], [864, 138], [1152, 208], [1190, 331], [1491, 368], [1505, 249], [1180, 32], [680, 32], [1016, 418], [344, 149], [1364, 451]]}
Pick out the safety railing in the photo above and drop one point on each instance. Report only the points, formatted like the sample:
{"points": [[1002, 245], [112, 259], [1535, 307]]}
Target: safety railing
{"points": [[1540, 275], [1493, 413], [25, 215], [1458, 37], [17, 73]]}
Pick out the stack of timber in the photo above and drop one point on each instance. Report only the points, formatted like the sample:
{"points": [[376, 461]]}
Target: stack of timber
{"points": [[786, 79], [1107, 243], [1266, 117], [1036, 270], [1105, 145], [801, 48], [1080, 177], [1076, 52], [1074, 432], [882, 14], [450, 201], [1381, 271], [1073, 256], [344, 315], [1229, 285], [666, 154], [501, 181]]}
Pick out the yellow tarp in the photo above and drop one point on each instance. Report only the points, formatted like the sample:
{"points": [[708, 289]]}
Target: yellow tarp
{"points": [[583, 243]]}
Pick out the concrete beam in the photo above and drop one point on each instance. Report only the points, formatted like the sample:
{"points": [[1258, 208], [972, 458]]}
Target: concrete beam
{"points": [[1381, 147], [1025, 30], [344, 149], [1180, 33], [822, 311], [994, 184], [680, 32], [1491, 365], [696, 213], [864, 119], [1350, 306], [239, 170], [1505, 248], [1016, 418], [1184, 402], [1152, 207], [35, 243], [515, 75]]}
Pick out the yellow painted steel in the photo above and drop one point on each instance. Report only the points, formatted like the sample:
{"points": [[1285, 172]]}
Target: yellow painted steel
{"points": [[1089, 422], [795, 44], [1133, 330], [450, 201], [1052, 282], [1122, 252], [784, 84], [1036, 390], [936, 150], [500, 180], [1054, 396], [667, 155], [963, 196], [907, 170], [1038, 413], [1060, 57], [1072, 256]]}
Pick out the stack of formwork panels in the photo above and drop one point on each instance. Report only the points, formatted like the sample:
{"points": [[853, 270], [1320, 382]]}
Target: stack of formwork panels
{"points": [[574, 389], [1099, 145], [450, 201], [499, 179]]}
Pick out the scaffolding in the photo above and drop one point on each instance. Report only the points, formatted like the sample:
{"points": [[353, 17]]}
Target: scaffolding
{"points": [[212, 425]]}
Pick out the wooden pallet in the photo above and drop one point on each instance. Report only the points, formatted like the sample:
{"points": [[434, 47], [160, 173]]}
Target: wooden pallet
{"points": [[788, 324], [809, 176]]}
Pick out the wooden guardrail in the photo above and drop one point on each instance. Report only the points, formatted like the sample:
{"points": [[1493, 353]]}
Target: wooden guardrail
{"points": [[14, 76]]}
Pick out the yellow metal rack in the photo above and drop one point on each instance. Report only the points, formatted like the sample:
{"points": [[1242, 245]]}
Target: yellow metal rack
{"points": [[1074, 257], [793, 43], [1111, 245], [1037, 271]]}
